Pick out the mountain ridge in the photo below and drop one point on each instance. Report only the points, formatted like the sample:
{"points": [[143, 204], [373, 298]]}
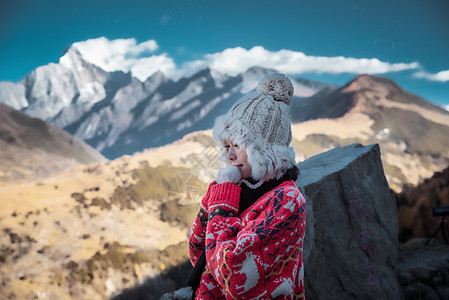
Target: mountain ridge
{"points": [[32, 148], [413, 133], [106, 108]]}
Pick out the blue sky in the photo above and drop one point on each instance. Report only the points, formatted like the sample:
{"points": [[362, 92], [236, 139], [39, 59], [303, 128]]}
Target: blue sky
{"points": [[330, 41]]}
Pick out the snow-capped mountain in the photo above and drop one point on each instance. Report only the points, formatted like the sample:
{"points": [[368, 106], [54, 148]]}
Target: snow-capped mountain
{"points": [[13, 94], [174, 109], [118, 114], [73, 82]]}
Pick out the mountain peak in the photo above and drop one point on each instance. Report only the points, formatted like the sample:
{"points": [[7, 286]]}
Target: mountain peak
{"points": [[366, 81], [74, 59], [206, 72], [210, 75], [252, 76], [158, 76], [218, 76], [155, 80], [385, 92], [259, 70], [71, 57]]}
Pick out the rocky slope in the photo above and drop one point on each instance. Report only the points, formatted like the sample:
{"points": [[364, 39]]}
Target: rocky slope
{"points": [[31, 148], [412, 133]]}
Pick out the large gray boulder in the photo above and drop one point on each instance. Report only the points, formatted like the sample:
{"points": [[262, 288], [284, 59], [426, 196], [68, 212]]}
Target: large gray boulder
{"points": [[351, 244]]}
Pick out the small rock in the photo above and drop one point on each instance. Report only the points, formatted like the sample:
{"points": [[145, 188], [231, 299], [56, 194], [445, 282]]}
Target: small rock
{"points": [[15, 238]]}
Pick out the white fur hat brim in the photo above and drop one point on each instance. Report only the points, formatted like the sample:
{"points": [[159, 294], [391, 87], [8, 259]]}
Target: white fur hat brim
{"points": [[267, 161]]}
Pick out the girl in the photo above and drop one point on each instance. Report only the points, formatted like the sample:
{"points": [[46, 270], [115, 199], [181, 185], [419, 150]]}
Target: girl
{"points": [[247, 240]]}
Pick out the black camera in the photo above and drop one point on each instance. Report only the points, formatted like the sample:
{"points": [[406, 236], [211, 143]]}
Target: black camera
{"points": [[440, 211], [443, 212]]}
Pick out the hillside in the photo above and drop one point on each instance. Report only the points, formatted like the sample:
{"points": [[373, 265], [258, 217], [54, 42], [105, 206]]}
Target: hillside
{"points": [[93, 230], [32, 148], [413, 133], [100, 228]]}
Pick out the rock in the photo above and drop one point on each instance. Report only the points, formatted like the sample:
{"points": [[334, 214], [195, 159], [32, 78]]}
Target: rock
{"points": [[351, 245], [181, 294]]}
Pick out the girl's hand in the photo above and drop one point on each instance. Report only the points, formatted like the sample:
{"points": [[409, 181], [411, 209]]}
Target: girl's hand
{"points": [[230, 174]]}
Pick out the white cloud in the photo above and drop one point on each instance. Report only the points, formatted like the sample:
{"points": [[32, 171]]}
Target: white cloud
{"points": [[236, 60], [125, 55], [442, 76], [447, 107], [144, 67]]}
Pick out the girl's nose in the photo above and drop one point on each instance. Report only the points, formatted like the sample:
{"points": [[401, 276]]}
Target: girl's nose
{"points": [[231, 154]]}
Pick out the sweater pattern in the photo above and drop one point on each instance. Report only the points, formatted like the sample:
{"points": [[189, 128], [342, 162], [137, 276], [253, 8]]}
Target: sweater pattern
{"points": [[256, 255]]}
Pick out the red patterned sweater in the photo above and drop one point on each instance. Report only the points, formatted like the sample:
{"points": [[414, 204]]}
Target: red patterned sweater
{"points": [[256, 255]]}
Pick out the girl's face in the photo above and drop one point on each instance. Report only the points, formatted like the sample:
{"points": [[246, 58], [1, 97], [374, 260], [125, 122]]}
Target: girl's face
{"points": [[236, 156]]}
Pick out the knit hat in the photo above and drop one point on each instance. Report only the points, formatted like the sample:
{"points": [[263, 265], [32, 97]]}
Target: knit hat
{"points": [[260, 123]]}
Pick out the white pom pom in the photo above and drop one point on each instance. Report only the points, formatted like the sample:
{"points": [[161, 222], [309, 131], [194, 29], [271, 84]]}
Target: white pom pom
{"points": [[278, 86]]}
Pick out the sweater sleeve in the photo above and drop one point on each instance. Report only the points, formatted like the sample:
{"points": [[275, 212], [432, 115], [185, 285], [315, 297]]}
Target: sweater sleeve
{"points": [[198, 229], [240, 256]]}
